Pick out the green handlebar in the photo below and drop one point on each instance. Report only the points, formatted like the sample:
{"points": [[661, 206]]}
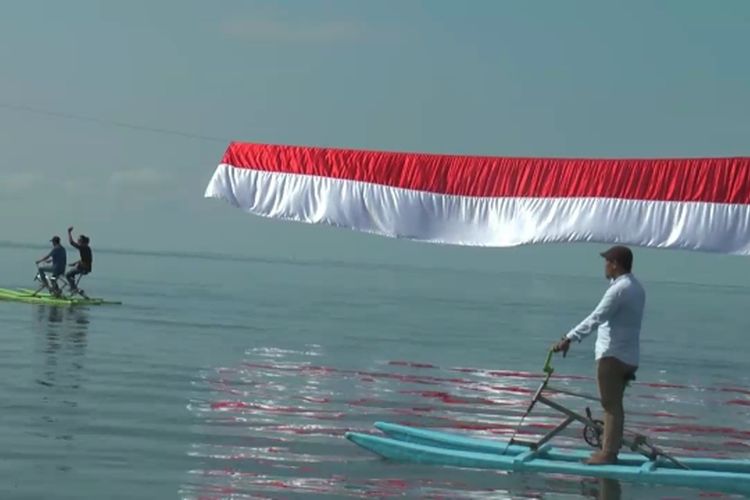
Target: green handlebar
{"points": [[548, 363]]}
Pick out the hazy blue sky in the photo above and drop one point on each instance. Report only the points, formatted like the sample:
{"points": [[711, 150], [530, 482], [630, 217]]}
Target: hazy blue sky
{"points": [[554, 78]]}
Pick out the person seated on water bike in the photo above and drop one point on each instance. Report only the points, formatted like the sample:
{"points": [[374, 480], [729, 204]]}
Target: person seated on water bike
{"points": [[82, 266], [58, 257]]}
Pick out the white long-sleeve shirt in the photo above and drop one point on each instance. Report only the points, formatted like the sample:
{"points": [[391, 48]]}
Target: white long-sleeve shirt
{"points": [[617, 320]]}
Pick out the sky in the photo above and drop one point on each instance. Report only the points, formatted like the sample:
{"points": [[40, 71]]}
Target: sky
{"points": [[113, 115]]}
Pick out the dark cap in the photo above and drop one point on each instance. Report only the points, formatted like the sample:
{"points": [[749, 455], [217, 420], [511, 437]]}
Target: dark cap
{"points": [[55, 239], [620, 254]]}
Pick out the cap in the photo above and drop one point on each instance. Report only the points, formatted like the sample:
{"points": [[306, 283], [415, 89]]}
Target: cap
{"points": [[55, 239], [620, 254]]}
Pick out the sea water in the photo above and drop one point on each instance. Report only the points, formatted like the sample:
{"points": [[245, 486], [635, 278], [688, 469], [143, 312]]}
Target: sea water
{"points": [[237, 377]]}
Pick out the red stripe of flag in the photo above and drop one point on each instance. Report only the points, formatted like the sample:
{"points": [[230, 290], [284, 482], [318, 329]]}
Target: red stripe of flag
{"points": [[718, 180]]}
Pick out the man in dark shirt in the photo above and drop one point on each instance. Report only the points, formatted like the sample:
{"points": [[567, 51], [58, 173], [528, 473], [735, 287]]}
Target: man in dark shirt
{"points": [[84, 265], [58, 257]]}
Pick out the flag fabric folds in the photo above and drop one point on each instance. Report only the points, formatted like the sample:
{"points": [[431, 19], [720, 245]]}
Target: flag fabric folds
{"points": [[700, 204]]}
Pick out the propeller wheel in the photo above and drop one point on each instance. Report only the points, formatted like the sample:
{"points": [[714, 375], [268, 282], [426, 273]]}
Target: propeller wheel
{"points": [[592, 435]]}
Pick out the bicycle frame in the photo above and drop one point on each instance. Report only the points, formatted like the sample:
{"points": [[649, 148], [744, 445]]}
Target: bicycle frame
{"points": [[639, 443]]}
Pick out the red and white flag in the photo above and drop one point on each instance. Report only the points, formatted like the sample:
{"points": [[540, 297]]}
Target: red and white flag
{"points": [[693, 204]]}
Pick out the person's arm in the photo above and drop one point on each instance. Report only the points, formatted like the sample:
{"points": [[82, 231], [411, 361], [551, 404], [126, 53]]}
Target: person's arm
{"points": [[46, 257], [604, 310], [70, 238]]}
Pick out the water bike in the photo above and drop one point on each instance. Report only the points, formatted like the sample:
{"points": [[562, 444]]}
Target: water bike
{"points": [[58, 292], [646, 462]]}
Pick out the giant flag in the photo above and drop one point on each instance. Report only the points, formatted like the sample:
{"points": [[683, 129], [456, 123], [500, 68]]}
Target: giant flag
{"points": [[700, 204]]}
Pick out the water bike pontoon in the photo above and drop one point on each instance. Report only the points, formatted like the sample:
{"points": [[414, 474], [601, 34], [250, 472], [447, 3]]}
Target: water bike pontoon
{"points": [[647, 462]]}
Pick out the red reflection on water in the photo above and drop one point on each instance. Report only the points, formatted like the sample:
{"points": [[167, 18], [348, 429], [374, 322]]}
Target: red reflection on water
{"points": [[701, 429], [449, 398]]}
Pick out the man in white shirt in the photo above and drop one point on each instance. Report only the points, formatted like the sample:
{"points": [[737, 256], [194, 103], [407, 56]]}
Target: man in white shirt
{"points": [[617, 320]]}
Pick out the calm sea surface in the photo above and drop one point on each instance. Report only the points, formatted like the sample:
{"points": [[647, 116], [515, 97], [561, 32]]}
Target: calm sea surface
{"points": [[237, 378]]}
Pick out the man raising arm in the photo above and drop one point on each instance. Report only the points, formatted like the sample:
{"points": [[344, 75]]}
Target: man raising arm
{"points": [[82, 266]]}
